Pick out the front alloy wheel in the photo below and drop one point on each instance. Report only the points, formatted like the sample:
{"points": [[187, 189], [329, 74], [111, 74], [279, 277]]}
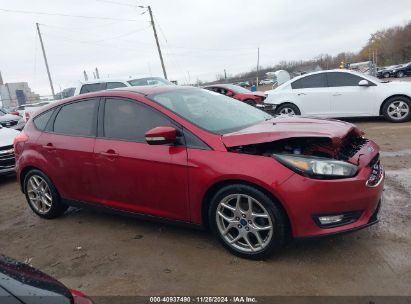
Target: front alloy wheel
{"points": [[244, 223], [247, 221], [397, 109]]}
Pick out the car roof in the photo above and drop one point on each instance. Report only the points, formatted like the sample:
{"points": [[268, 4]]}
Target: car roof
{"points": [[143, 90]]}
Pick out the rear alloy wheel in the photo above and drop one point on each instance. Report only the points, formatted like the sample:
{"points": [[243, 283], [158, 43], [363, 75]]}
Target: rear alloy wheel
{"points": [[400, 74], [397, 109], [288, 109], [248, 222], [42, 195]]}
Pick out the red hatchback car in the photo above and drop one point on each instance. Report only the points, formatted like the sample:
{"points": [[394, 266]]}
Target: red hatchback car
{"points": [[255, 99], [194, 156]]}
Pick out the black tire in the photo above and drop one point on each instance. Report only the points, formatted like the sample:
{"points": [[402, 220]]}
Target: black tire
{"points": [[386, 75], [250, 102], [400, 74], [57, 207], [278, 221], [289, 106], [392, 101]]}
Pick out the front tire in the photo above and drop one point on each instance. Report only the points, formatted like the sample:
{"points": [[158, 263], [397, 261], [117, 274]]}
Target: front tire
{"points": [[397, 109], [386, 75], [288, 109], [42, 195], [247, 222]]}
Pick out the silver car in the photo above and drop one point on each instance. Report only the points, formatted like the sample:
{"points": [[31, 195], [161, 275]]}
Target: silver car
{"points": [[7, 159]]}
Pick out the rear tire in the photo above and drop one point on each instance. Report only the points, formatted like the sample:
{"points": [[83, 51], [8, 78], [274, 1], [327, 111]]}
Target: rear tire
{"points": [[397, 109], [288, 109], [254, 233], [400, 74], [42, 195]]}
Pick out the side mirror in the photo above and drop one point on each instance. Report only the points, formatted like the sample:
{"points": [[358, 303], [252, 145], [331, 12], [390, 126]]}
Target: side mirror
{"points": [[364, 83], [161, 136]]}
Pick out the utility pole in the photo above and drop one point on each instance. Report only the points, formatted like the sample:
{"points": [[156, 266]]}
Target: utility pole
{"points": [[158, 44], [45, 60], [258, 64], [225, 75]]}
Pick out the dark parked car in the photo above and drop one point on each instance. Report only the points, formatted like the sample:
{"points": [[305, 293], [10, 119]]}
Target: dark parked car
{"points": [[403, 70], [387, 72], [22, 284], [200, 158]]}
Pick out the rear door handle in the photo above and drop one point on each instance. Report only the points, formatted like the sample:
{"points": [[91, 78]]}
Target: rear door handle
{"points": [[301, 94], [49, 147], [337, 94]]}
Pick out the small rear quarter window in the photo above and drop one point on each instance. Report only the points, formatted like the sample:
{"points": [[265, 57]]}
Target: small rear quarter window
{"points": [[41, 121]]}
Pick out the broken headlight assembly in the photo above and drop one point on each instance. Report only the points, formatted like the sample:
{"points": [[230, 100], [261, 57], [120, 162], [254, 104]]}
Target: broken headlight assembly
{"points": [[317, 167]]}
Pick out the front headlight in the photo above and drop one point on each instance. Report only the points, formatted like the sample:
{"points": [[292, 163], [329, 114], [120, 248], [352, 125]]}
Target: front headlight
{"points": [[317, 167]]}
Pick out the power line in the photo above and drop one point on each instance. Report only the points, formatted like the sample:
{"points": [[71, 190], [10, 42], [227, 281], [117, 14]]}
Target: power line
{"points": [[62, 15]]}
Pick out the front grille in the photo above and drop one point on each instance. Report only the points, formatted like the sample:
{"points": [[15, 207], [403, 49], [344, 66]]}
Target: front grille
{"points": [[8, 123], [351, 146], [7, 159]]}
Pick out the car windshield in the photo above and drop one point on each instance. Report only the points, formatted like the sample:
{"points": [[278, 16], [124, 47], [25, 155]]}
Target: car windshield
{"points": [[209, 110], [236, 88], [150, 81]]}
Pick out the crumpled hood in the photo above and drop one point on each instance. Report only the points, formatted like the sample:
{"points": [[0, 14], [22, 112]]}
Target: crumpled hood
{"points": [[7, 136], [281, 128]]}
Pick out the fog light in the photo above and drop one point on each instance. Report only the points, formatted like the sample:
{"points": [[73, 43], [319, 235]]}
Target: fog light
{"points": [[335, 220], [331, 219]]}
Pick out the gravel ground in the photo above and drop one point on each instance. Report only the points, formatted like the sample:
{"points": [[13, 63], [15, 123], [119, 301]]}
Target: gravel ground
{"points": [[102, 254]]}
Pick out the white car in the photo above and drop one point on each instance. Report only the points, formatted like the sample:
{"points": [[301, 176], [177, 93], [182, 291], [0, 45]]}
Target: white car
{"points": [[266, 81], [342, 93], [7, 159], [99, 85]]}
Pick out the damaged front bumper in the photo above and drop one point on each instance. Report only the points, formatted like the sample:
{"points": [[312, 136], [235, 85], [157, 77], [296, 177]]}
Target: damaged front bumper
{"points": [[307, 198]]}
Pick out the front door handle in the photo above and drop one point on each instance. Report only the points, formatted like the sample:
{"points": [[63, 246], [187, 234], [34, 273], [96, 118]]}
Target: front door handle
{"points": [[110, 153], [49, 147], [301, 94], [337, 94]]}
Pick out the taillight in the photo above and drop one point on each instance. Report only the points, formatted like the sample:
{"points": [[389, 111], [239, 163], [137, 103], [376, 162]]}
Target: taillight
{"points": [[19, 140], [15, 113], [80, 298], [27, 115]]}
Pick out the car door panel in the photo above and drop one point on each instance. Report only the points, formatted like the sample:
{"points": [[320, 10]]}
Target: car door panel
{"points": [[136, 176], [348, 99], [311, 95], [142, 178]]}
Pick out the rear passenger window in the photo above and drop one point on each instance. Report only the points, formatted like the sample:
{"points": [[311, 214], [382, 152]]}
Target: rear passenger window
{"points": [[129, 120], [77, 118], [41, 121], [92, 87], [114, 85], [339, 79], [311, 81]]}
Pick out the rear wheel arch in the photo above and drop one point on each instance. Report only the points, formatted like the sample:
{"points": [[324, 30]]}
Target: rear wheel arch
{"points": [[221, 184], [289, 103], [389, 97]]}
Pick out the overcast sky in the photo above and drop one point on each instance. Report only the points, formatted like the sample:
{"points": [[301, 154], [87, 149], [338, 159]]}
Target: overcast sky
{"points": [[199, 38]]}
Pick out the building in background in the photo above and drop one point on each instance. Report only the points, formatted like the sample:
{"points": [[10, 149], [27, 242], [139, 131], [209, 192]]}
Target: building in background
{"points": [[16, 93]]}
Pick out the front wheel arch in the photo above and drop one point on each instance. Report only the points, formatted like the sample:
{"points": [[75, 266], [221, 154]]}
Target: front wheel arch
{"points": [[388, 98], [219, 185]]}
